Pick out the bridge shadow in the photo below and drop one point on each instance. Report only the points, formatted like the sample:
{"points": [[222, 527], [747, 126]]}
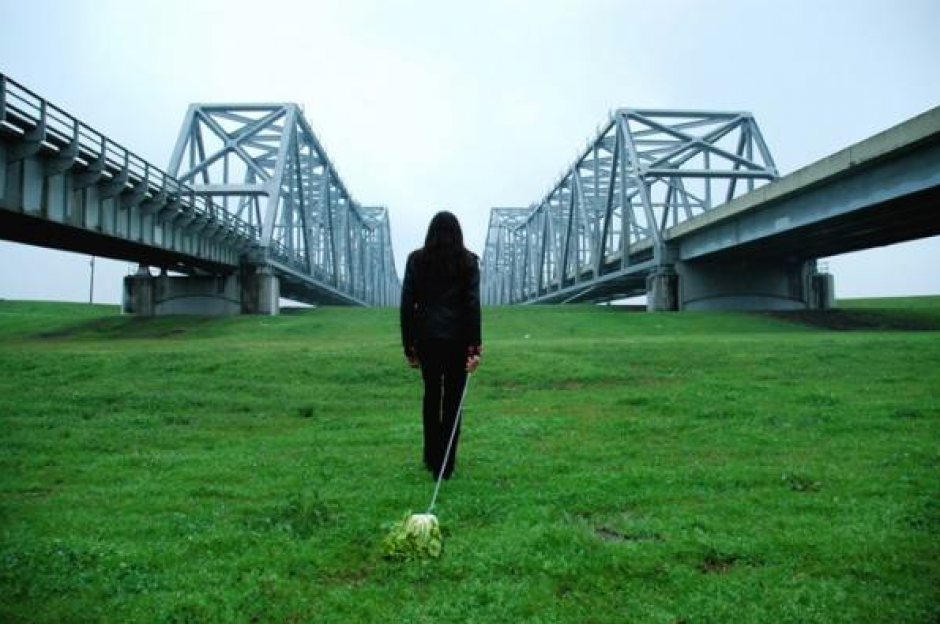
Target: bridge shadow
{"points": [[861, 320], [130, 328]]}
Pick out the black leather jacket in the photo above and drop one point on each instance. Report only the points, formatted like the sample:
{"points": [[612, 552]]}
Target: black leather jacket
{"points": [[440, 309]]}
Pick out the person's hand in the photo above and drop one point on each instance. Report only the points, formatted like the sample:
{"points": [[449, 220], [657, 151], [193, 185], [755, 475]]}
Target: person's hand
{"points": [[412, 361], [472, 362]]}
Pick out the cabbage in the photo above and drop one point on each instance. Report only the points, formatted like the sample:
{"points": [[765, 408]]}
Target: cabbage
{"points": [[417, 536]]}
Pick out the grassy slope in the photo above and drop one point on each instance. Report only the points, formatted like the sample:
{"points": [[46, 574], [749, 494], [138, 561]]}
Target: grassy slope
{"points": [[924, 302], [615, 467]]}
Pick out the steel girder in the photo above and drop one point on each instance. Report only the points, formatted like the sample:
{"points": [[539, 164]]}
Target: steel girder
{"points": [[264, 164], [604, 220]]}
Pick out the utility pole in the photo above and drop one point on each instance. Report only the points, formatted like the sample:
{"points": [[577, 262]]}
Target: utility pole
{"points": [[91, 285]]}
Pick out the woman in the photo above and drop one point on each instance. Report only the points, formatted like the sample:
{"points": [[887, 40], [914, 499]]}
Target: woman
{"points": [[440, 331]]}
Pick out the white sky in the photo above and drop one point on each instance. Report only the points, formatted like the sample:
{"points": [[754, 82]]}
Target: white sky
{"points": [[426, 105]]}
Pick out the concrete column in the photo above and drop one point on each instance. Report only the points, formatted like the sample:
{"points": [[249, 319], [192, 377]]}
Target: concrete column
{"points": [[3, 174], [662, 290], [261, 291], [138, 293], [255, 291], [204, 295], [822, 291], [745, 284]]}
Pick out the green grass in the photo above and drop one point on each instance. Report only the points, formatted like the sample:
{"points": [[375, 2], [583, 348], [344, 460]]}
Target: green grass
{"points": [[615, 467], [922, 302]]}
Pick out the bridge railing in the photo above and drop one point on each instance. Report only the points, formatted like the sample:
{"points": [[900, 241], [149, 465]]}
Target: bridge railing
{"points": [[52, 129]]}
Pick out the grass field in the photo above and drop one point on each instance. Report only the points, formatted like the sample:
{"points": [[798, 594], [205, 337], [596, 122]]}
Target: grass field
{"points": [[615, 467]]}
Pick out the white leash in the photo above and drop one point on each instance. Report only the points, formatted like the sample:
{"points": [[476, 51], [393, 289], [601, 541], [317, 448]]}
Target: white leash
{"points": [[450, 443]]}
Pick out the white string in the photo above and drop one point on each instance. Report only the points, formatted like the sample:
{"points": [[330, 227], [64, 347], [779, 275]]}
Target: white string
{"points": [[450, 442]]}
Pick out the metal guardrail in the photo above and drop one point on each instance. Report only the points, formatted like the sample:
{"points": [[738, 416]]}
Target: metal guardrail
{"points": [[24, 112]]}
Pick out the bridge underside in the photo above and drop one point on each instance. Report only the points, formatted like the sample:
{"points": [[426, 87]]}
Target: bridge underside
{"points": [[842, 204], [299, 287], [613, 283], [761, 252], [906, 218], [29, 230]]}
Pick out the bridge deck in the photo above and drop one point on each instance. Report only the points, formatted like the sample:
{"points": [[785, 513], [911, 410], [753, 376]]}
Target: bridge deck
{"points": [[882, 190]]}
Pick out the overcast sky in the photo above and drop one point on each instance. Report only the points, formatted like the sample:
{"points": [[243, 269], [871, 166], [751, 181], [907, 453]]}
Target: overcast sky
{"points": [[428, 105]]}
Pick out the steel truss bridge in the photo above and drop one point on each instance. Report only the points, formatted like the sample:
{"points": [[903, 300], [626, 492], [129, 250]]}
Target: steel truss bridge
{"points": [[600, 230], [688, 207], [249, 189]]}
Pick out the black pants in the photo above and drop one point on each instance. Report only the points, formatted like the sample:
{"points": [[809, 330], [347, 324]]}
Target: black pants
{"points": [[443, 369]]}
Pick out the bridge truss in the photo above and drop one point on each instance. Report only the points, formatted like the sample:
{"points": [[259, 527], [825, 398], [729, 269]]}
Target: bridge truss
{"points": [[263, 164], [601, 229]]}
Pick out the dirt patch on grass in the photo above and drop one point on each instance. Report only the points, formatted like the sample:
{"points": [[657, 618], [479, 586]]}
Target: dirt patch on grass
{"points": [[715, 562], [613, 535], [610, 535], [798, 482], [857, 320]]}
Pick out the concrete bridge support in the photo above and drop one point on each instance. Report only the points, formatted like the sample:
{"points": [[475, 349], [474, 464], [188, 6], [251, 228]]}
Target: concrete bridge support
{"points": [[254, 291], [662, 290], [260, 291], [740, 284]]}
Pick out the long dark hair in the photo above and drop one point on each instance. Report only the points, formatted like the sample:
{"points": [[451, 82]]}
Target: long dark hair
{"points": [[443, 252]]}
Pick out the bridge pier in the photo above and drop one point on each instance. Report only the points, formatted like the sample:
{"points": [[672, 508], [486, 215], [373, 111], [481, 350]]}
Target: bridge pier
{"points": [[740, 284], [662, 290], [254, 291], [260, 291], [822, 291]]}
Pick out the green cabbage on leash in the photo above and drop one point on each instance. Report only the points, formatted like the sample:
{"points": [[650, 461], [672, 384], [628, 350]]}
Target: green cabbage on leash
{"points": [[417, 536]]}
